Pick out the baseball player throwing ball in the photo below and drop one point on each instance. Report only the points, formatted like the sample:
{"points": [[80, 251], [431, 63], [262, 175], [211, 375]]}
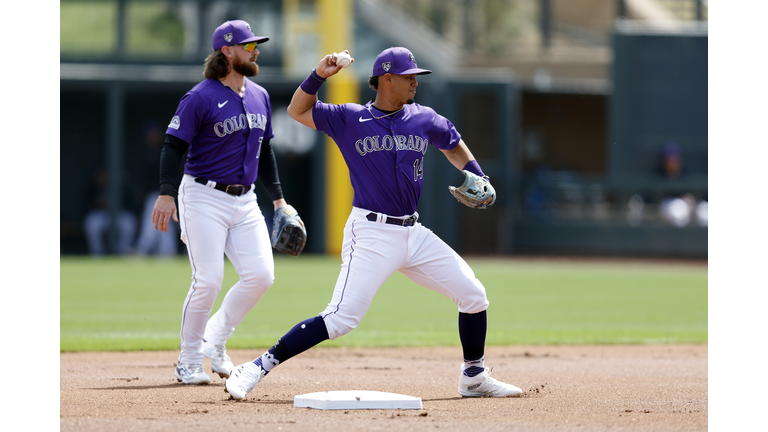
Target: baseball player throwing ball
{"points": [[226, 124], [383, 143]]}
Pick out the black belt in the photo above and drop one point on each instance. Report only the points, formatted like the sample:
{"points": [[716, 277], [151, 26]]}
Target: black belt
{"points": [[393, 221], [235, 190]]}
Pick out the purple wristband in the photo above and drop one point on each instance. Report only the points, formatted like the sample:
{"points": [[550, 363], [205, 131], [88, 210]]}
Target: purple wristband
{"points": [[473, 167], [312, 84]]}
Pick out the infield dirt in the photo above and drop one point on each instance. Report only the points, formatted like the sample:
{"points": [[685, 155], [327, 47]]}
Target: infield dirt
{"points": [[566, 388]]}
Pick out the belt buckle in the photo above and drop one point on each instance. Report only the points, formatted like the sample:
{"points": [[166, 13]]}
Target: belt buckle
{"points": [[233, 192], [409, 221]]}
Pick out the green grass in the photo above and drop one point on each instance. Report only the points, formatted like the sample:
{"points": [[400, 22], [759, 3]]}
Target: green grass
{"points": [[130, 304]]}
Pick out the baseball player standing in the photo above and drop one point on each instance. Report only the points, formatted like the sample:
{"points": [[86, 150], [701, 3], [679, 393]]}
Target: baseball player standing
{"points": [[225, 122], [383, 143]]}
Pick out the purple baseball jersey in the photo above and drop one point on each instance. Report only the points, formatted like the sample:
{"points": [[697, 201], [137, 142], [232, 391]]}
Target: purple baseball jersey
{"points": [[385, 156], [224, 131]]}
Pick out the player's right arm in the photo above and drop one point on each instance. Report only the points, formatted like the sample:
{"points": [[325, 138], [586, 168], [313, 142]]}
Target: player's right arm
{"points": [[164, 210], [184, 126], [170, 163], [300, 108]]}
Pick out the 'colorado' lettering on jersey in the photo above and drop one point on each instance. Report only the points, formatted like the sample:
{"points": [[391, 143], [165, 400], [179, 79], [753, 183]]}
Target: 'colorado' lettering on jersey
{"points": [[233, 124], [371, 144], [214, 120], [385, 154]]}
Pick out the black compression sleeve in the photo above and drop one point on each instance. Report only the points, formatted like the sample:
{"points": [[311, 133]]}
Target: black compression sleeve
{"points": [[268, 172], [170, 163]]}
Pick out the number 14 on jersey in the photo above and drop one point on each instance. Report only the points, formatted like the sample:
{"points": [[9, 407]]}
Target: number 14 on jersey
{"points": [[418, 169]]}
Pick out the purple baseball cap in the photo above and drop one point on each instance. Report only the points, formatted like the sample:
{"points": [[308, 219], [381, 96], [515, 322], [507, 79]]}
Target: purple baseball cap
{"points": [[235, 32], [397, 61]]}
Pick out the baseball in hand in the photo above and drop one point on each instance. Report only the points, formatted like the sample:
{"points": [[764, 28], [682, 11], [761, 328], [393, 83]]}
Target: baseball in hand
{"points": [[343, 59]]}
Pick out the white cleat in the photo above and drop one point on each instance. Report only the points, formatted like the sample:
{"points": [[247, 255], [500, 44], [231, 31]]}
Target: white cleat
{"points": [[243, 379], [192, 373], [220, 362], [483, 385]]}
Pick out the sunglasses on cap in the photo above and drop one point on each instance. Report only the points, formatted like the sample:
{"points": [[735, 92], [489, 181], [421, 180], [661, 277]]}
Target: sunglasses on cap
{"points": [[250, 46]]}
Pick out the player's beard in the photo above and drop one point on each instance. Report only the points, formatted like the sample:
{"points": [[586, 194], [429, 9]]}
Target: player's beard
{"points": [[410, 101], [245, 68]]}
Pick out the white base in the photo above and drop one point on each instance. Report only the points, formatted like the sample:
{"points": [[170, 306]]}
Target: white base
{"points": [[356, 399]]}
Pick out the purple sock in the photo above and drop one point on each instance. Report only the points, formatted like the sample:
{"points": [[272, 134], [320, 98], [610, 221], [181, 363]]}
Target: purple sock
{"points": [[300, 338], [304, 336], [472, 330]]}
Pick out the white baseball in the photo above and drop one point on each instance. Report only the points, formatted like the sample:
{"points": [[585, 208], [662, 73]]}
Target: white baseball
{"points": [[343, 59]]}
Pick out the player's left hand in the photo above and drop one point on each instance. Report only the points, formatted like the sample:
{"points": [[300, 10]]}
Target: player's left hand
{"points": [[476, 192], [328, 66], [288, 232]]}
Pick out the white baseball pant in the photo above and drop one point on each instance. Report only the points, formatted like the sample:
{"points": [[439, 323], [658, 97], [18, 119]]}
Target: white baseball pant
{"points": [[214, 223], [374, 251]]}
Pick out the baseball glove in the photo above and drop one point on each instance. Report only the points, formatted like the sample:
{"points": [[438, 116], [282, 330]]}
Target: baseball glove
{"points": [[288, 234], [476, 192]]}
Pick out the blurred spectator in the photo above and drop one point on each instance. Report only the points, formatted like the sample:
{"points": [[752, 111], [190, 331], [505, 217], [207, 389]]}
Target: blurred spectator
{"points": [[702, 216], [537, 202], [679, 210], [97, 218], [672, 161], [635, 208], [153, 242]]}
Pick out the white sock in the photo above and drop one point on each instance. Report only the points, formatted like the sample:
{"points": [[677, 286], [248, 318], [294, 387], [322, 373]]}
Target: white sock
{"points": [[474, 367], [267, 361]]}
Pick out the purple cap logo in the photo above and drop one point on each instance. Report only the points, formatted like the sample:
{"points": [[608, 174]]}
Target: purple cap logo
{"points": [[235, 32], [397, 61]]}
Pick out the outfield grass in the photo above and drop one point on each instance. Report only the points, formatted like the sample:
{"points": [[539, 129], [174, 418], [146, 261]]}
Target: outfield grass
{"points": [[130, 304]]}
